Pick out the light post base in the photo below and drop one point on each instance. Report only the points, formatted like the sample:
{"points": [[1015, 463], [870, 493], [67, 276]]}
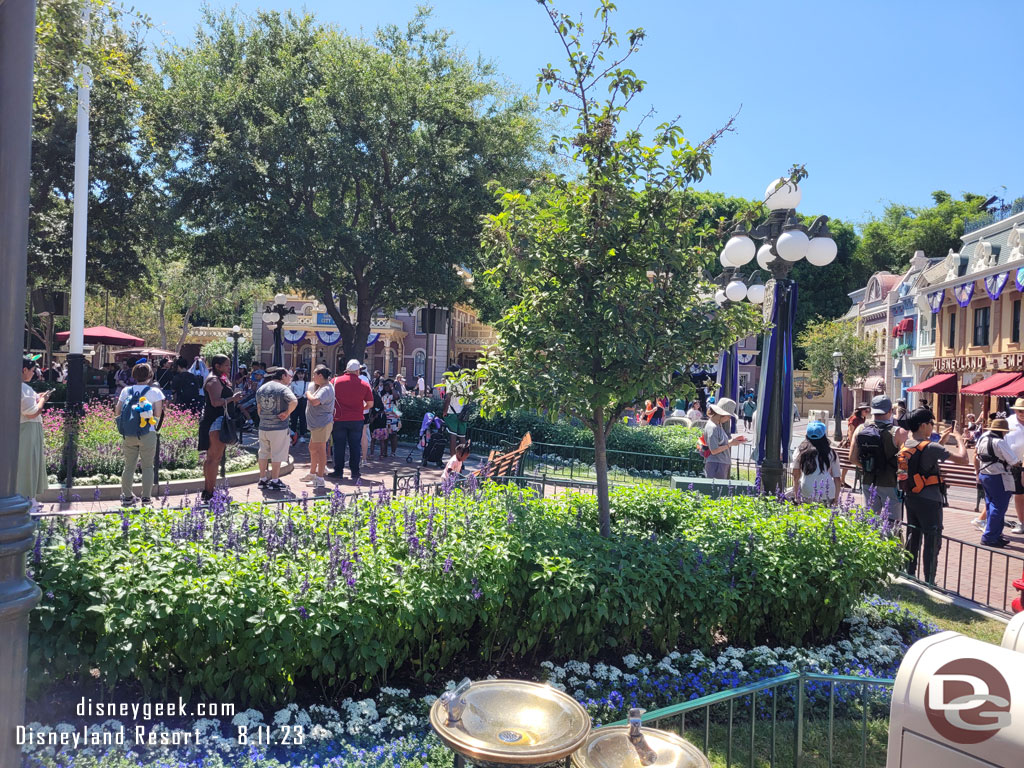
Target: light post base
{"points": [[18, 596]]}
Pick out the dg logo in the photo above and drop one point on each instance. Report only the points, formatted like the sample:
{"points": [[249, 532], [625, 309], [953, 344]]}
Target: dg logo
{"points": [[967, 701]]}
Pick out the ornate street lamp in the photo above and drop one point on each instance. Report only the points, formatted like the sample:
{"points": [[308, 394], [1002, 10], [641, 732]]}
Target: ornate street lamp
{"points": [[784, 242], [837, 404], [275, 315], [234, 335]]}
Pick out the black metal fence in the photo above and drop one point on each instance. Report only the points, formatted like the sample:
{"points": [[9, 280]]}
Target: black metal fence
{"points": [[981, 574]]}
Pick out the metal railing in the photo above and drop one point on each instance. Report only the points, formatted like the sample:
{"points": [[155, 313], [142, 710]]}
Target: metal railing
{"points": [[805, 719], [981, 574], [991, 218]]}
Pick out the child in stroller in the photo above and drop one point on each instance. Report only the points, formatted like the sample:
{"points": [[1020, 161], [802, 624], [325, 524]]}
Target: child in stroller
{"points": [[433, 435]]}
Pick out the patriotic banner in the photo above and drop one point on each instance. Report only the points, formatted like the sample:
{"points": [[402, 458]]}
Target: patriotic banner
{"points": [[1020, 279], [728, 375], [372, 339], [935, 300], [963, 294], [294, 337], [778, 352], [837, 398], [994, 285], [746, 358], [329, 338]]}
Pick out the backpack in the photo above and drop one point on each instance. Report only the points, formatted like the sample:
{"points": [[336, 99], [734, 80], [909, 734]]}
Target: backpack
{"points": [[876, 448], [909, 476], [135, 419]]}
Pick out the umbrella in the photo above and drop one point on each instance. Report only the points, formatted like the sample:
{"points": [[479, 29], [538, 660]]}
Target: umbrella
{"points": [[100, 334], [146, 352]]}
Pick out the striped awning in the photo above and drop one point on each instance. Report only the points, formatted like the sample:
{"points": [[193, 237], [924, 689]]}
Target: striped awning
{"points": [[1014, 389], [993, 382]]}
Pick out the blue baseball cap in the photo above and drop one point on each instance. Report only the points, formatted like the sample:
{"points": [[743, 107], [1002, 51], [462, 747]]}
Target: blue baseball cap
{"points": [[815, 430]]}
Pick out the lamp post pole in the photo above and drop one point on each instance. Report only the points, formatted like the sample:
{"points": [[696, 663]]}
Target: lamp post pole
{"points": [[837, 359], [275, 315], [234, 334], [18, 594], [785, 240]]}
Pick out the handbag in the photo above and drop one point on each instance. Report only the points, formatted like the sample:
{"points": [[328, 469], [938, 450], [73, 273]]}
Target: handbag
{"points": [[229, 432]]}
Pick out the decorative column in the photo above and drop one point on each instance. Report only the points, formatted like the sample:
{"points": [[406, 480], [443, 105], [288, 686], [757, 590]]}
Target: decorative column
{"points": [[18, 594]]}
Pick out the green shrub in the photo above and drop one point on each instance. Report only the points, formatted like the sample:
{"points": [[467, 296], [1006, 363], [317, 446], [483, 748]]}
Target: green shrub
{"points": [[661, 441], [259, 605]]}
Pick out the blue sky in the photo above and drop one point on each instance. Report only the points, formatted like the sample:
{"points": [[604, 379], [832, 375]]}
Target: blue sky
{"points": [[882, 101]]}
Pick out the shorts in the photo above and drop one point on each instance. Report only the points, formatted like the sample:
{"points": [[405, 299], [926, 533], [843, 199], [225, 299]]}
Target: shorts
{"points": [[456, 427], [217, 424], [321, 434], [274, 445]]}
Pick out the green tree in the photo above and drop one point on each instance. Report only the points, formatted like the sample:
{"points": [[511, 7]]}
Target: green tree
{"points": [[227, 347], [354, 171], [122, 224], [887, 243], [824, 337], [600, 272]]}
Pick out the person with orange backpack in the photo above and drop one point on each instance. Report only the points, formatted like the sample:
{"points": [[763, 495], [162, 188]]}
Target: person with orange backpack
{"points": [[920, 480]]}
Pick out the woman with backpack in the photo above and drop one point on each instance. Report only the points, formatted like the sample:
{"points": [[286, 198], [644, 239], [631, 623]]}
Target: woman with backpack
{"points": [[993, 460], [920, 479], [816, 467], [138, 412]]}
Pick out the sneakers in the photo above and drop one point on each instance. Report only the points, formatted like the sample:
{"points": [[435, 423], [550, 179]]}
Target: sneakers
{"points": [[307, 477], [129, 501], [1003, 541], [316, 482], [275, 485], [1015, 527], [979, 524], [146, 501], [263, 482]]}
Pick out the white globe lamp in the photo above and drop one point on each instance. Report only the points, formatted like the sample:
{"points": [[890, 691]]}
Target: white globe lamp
{"points": [[235, 329], [719, 297], [765, 256], [792, 245], [725, 261], [270, 318], [739, 250], [735, 291], [280, 298], [755, 294], [781, 194], [821, 251]]}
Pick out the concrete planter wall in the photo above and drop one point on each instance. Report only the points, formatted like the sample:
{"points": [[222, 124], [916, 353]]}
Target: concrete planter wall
{"points": [[175, 487]]}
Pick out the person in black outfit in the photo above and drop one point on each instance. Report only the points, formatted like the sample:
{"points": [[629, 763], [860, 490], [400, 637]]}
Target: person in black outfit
{"points": [[218, 397], [186, 386]]}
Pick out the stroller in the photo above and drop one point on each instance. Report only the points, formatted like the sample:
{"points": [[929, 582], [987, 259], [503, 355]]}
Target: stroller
{"points": [[433, 440]]}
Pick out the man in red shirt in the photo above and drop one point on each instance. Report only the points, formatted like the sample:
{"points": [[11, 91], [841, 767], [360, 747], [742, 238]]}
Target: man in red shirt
{"points": [[352, 396]]}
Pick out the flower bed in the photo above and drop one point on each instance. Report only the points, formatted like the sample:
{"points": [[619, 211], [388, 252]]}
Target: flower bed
{"points": [[100, 460], [317, 597], [391, 728]]}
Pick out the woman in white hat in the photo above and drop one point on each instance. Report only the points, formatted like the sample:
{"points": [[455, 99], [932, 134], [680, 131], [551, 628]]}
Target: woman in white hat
{"points": [[716, 437]]}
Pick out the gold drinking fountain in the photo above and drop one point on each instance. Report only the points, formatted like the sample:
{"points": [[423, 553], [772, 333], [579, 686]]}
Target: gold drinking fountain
{"points": [[518, 724]]}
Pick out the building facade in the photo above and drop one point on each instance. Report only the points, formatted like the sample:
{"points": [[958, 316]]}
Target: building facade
{"points": [[398, 344], [975, 297]]}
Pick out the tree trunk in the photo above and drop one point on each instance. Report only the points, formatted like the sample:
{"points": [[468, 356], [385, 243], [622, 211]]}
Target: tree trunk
{"points": [[162, 319], [184, 329], [604, 512]]}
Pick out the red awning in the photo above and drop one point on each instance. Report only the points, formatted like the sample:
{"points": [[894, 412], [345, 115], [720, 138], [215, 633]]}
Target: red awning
{"points": [[995, 381], [100, 334], [909, 325], [943, 384], [1014, 389]]}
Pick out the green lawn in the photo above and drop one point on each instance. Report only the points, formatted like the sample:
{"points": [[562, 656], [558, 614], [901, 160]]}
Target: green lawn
{"points": [[946, 615]]}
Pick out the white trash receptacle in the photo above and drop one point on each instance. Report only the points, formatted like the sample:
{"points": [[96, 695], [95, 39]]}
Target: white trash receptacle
{"points": [[957, 703]]}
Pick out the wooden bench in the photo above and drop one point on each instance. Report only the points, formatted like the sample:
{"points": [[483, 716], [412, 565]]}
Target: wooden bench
{"points": [[505, 464], [955, 475]]}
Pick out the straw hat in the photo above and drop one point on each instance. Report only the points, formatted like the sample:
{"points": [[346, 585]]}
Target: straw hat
{"points": [[727, 407], [1018, 404], [1000, 425]]}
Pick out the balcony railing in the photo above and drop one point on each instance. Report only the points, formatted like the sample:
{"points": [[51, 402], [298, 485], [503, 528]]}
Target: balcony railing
{"points": [[1017, 206]]}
